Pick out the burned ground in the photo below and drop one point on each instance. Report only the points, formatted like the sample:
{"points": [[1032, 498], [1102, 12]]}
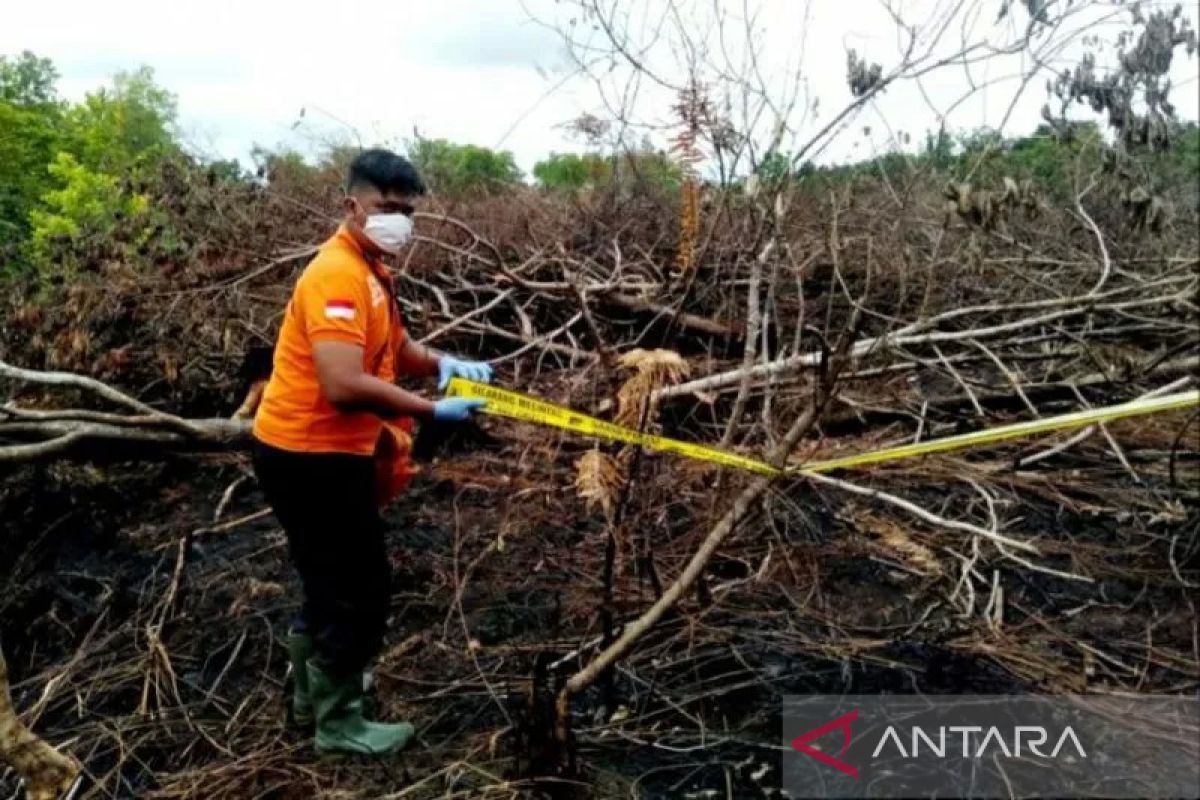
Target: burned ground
{"points": [[151, 636]]}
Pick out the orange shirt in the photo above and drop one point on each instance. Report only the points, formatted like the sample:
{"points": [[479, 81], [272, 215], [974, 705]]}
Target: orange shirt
{"points": [[339, 298]]}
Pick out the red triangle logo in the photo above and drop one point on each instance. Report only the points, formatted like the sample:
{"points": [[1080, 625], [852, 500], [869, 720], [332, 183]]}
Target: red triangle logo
{"points": [[801, 743]]}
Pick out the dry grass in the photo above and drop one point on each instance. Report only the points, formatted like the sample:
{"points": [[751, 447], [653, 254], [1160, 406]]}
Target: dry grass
{"points": [[652, 370], [598, 478]]}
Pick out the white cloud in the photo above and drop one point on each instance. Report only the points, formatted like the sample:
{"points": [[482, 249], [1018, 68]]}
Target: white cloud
{"points": [[467, 70]]}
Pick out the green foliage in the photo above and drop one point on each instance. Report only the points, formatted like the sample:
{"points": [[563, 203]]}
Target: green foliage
{"points": [[819, 179], [1184, 157], [89, 207], [1055, 159], [633, 170], [27, 145], [66, 171], [1052, 159], [283, 167], [128, 127], [30, 132], [450, 168], [27, 81], [573, 171], [774, 169], [938, 151], [650, 170], [224, 171]]}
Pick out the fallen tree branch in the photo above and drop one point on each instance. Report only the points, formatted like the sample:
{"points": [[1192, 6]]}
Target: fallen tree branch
{"points": [[901, 338], [57, 437], [77, 382], [98, 388], [922, 514]]}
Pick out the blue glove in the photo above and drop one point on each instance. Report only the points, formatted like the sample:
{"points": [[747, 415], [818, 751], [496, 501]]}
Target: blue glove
{"points": [[449, 367], [456, 409]]}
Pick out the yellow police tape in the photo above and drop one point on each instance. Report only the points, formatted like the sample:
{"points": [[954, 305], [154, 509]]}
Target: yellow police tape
{"points": [[514, 405]]}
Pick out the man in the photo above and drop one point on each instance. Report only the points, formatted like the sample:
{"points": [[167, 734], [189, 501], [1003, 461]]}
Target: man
{"points": [[317, 432]]}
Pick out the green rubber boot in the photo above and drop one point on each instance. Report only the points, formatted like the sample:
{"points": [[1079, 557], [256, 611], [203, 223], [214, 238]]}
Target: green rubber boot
{"points": [[341, 728], [300, 649]]}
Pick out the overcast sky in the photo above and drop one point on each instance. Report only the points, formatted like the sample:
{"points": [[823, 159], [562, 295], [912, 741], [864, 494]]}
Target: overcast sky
{"points": [[477, 71]]}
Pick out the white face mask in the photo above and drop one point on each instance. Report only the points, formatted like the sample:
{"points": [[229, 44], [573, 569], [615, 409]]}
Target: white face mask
{"points": [[389, 232]]}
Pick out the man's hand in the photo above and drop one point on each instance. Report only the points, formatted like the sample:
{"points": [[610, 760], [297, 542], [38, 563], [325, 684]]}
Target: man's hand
{"points": [[449, 367], [457, 409]]}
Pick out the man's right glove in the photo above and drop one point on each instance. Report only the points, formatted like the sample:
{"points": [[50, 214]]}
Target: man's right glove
{"points": [[456, 409], [449, 367]]}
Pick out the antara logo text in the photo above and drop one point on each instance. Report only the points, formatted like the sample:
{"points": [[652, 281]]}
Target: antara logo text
{"points": [[946, 741]]}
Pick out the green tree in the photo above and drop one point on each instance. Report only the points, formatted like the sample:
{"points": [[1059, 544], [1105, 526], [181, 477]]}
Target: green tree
{"points": [[28, 81], [451, 168], [647, 169], [66, 170], [643, 169], [573, 171], [283, 167], [90, 155], [938, 150], [128, 127], [28, 140], [30, 134]]}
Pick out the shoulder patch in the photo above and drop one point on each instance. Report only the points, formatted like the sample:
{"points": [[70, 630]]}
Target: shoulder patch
{"points": [[339, 309]]}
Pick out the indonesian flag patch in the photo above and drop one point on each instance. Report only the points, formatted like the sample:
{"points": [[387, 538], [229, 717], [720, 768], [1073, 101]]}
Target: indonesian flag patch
{"points": [[339, 309]]}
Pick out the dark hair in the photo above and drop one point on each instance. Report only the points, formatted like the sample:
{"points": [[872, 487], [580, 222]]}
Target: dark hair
{"points": [[385, 171]]}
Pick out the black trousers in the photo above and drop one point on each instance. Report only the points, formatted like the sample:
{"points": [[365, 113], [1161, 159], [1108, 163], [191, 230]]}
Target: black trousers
{"points": [[326, 504]]}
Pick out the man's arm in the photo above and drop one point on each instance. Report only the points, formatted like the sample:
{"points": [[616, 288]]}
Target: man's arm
{"points": [[348, 387], [416, 359]]}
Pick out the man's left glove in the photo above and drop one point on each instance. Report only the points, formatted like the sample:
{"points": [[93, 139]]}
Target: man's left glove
{"points": [[449, 367], [456, 409]]}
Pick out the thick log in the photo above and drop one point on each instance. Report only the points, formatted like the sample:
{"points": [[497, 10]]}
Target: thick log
{"points": [[34, 439]]}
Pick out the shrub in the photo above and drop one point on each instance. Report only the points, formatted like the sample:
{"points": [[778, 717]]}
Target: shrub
{"points": [[83, 217], [450, 168], [573, 171]]}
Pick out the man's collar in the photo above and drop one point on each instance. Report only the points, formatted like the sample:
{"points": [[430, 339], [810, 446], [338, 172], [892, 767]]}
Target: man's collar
{"points": [[345, 237]]}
